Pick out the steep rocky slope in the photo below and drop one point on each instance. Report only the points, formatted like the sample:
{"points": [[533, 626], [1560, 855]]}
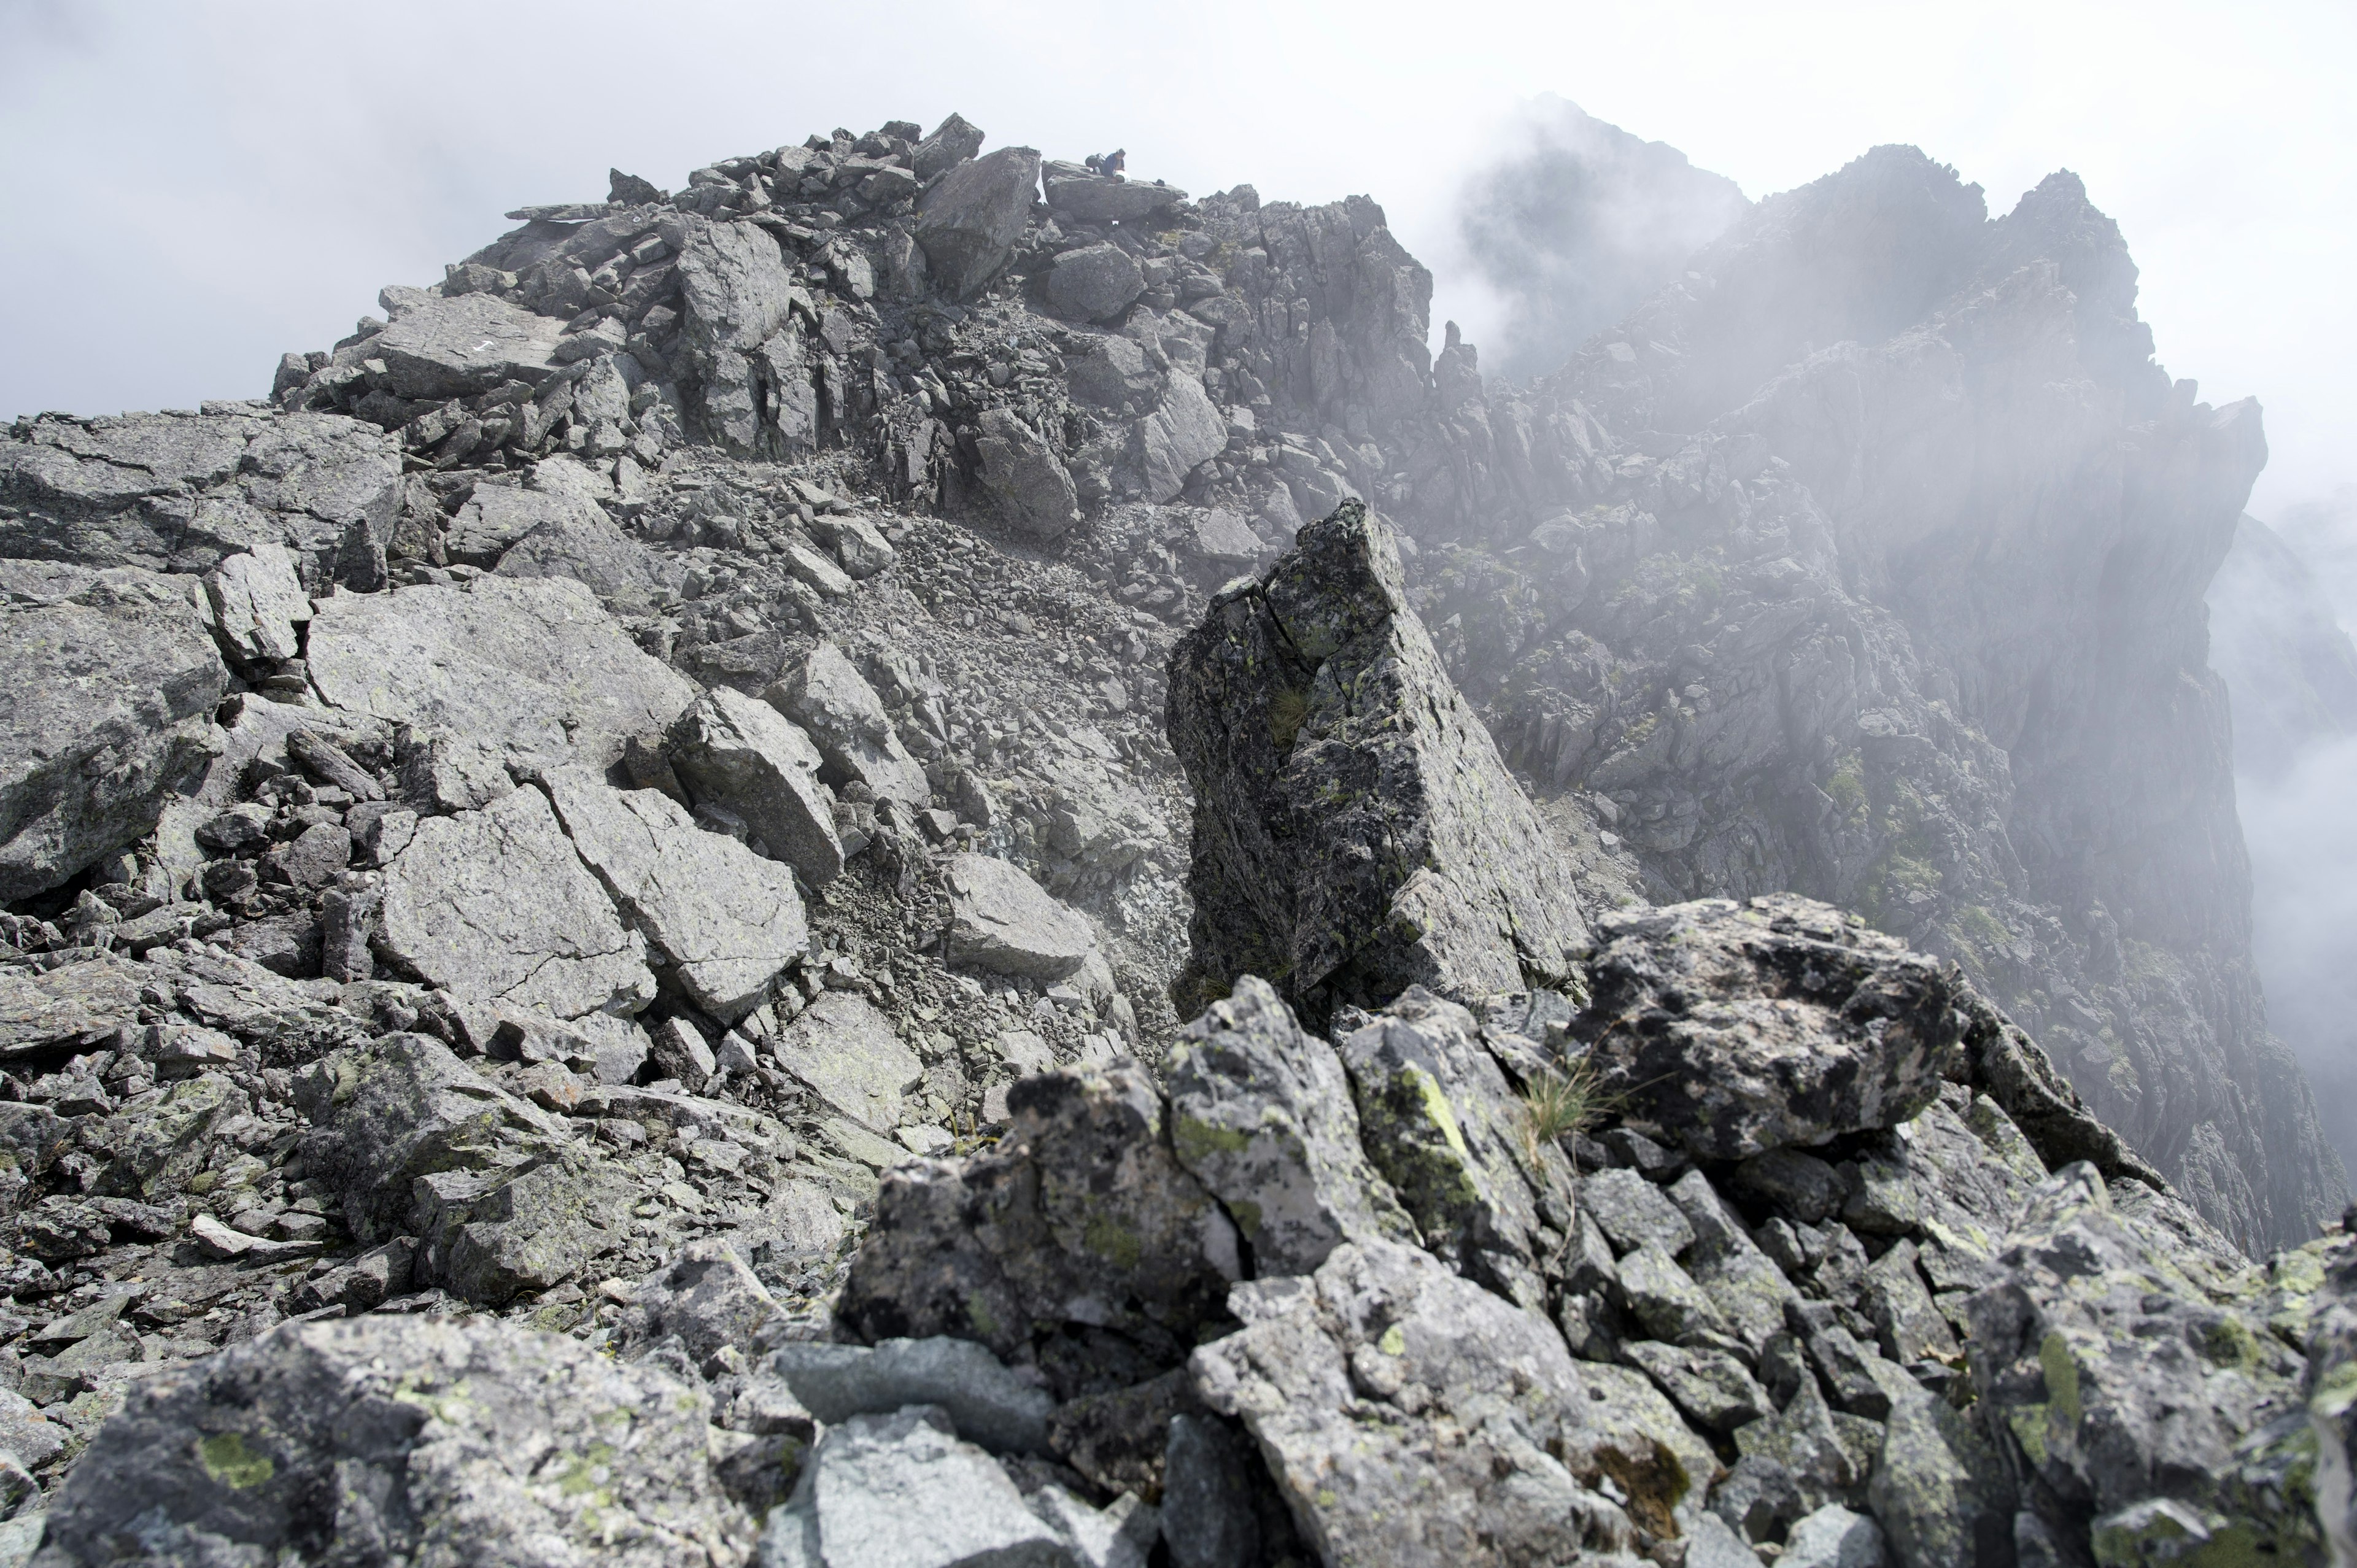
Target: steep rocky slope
{"points": [[647, 764]]}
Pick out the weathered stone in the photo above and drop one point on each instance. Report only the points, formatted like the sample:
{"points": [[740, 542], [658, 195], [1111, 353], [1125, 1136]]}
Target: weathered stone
{"points": [[1832, 1537], [455, 348], [74, 1003], [1261, 1112], [1207, 1514], [1081, 1216], [529, 665], [1634, 1213], [1184, 431], [706, 1299], [430, 1439], [1024, 474], [968, 223], [830, 700], [496, 906], [727, 921], [1439, 1120], [1799, 1186], [1732, 1029], [901, 1490], [112, 681], [1002, 920], [258, 603], [1750, 1292], [738, 753], [985, 1403], [500, 1197], [849, 1056], [1710, 1387], [1355, 830], [1073, 192], [573, 538], [738, 293], [1093, 283], [952, 143], [1347, 1380]]}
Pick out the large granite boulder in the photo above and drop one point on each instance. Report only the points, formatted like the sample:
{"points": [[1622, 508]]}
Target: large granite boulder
{"points": [[430, 1439], [571, 536], [738, 289], [1079, 1244], [1261, 1111], [1355, 830], [532, 666], [497, 908], [1023, 473], [1074, 193], [968, 223], [113, 682], [257, 603], [1731, 1029], [1093, 283], [725, 922], [501, 1196], [740, 754], [1410, 1416], [455, 348], [1003, 921], [826, 694]]}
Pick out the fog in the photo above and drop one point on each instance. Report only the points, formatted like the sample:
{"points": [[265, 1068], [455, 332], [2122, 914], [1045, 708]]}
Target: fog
{"points": [[1575, 223]]}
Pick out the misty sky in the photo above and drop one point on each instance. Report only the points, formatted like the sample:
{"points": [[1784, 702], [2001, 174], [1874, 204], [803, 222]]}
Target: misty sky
{"points": [[191, 189]]}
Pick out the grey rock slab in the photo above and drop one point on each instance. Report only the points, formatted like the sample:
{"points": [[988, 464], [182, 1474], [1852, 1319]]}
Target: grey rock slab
{"points": [[851, 1058], [1439, 1119], [737, 291], [951, 142], [739, 753], [258, 602], [985, 1403], [1665, 1300], [901, 1491], [575, 538], [75, 1003], [1095, 198], [826, 694], [727, 921], [1730, 1029], [1002, 920], [1750, 1291], [1356, 831], [1093, 283], [114, 677], [1714, 1544], [455, 348], [1185, 430], [1261, 1112], [1207, 1513], [705, 1297], [1349, 1380], [1832, 1537], [1222, 536], [969, 222], [1024, 474], [501, 1195], [497, 906], [1633, 1212], [1710, 1387], [432, 1439], [531, 665], [1080, 1214]]}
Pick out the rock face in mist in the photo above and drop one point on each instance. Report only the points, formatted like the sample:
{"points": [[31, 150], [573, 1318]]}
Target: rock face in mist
{"points": [[631, 848], [1576, 221], [2291, 669]]}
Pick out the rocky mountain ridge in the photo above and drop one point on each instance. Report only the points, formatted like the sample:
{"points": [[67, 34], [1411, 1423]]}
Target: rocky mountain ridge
{"points": [[646, 766]]}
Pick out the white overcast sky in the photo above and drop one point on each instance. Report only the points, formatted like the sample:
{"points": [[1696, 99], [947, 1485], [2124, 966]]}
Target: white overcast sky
{"points": [[190, 189]]}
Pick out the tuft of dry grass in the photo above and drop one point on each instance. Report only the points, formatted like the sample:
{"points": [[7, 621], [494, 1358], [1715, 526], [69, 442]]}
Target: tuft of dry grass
{"points": [[1558, 1103], [1288, 710]]}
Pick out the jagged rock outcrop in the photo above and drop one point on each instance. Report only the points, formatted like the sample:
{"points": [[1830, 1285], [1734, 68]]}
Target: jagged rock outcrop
{"points": [[682, 855], [1356, 831]]}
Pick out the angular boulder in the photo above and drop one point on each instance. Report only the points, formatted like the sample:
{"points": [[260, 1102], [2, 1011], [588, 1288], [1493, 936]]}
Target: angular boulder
{"points": [[1184, 430], [534, 667], [501, 1195], [573, 538], [1261, 1111], [737, 290], [739, 753], [849, 1054], [829, 698], [432, 1439], [1356, 831], [1093, 283], [455, 348], [1023, 473], [952, 143], [1410, 1416], [968, 224], [258, 603], [1731, 1029], [1073, 192], [1078, 1243], [726, 921], [496, 906], [1003, 921], [114, 679]]}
